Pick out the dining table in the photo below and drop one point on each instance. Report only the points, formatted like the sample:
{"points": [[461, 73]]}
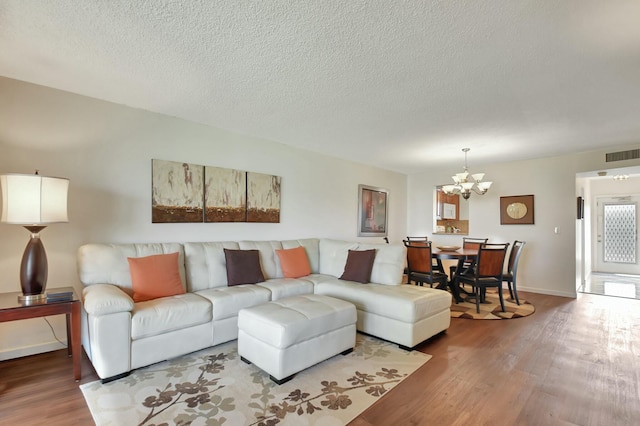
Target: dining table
{"points": [[460, 254]]}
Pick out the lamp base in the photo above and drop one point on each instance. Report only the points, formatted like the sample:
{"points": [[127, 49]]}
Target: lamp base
{"points": [[32, 298], [33, 268]]}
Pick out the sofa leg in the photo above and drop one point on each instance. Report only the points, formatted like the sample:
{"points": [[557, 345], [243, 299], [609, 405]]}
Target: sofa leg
{"points": [[116, 377], [281, 381], [347, 352], [246, 361]]}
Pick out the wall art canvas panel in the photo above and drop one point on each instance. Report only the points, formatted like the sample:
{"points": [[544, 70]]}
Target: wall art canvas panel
{"points": [[225, 195], [177, 192], [263, 198]]}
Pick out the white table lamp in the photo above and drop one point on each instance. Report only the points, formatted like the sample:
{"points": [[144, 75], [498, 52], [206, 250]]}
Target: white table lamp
{"points": [[34, 202]]}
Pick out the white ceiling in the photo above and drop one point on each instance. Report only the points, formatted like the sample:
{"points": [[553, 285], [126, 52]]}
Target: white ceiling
{"points": [[403, 85]]}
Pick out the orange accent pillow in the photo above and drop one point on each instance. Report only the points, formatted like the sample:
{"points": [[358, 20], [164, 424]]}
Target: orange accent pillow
{"points": [[294, 262], [155, 276]]}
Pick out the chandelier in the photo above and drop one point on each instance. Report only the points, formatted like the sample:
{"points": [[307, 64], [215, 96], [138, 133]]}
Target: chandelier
{"points": [[463, 185]]}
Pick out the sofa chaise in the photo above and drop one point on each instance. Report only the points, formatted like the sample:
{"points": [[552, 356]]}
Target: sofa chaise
{"points": [[120, 335]]}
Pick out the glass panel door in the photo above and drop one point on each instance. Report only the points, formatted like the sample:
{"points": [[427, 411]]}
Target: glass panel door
{"points": [[620, 233], [617, 235]]}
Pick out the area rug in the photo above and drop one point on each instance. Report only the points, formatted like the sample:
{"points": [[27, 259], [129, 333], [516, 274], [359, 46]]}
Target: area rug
{"points": [[214, 387], [491, 310]]}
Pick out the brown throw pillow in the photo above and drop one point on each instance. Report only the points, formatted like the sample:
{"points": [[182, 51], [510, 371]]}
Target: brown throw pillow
{"points": [[243, 267], [359, 265]]}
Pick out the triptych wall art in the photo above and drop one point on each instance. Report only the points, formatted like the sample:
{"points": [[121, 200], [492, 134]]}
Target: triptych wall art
{"points": [[183, 192]]}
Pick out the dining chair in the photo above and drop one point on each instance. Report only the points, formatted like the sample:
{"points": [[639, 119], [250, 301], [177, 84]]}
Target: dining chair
{"points": [[467, 243], [437, 263], [512, 269], [420, 267], [417, 240], [488, 272]]}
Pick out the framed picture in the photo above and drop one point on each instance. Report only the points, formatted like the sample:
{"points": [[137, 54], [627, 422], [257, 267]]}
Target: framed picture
{"points": [[516, 210], [372, 211]]}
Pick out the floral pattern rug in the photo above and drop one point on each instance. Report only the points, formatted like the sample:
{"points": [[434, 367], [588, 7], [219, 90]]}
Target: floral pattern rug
{"points": [[214, 387]]}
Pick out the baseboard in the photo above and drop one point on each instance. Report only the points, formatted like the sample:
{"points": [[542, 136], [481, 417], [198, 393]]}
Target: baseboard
{"points": [[572, 295], [30, 350]]}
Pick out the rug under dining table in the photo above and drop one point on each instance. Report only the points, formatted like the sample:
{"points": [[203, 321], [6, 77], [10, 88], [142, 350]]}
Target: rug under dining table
{"points": [[214, 387], [492, 310]]}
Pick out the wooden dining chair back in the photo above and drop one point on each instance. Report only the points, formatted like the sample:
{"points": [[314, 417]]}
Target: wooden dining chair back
{"points": [[468, 243], [417, 241], [512, 269], [488, 272], [420, 267], [473, 243]]}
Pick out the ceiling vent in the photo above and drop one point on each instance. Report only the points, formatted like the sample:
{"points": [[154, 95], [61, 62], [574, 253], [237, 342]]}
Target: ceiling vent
{"points": [[632, 154]]}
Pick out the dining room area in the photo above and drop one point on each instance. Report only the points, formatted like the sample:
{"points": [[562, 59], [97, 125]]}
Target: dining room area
{"points": [[468, 271]]}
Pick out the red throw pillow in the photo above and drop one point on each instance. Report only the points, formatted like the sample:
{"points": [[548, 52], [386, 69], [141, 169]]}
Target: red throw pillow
{"points": [[294, 262], [155, 276], [359, 265], [243, 267]]}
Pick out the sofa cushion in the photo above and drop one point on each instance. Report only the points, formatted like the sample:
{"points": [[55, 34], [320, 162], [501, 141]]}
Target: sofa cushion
{"points": [[167, 314], [333, 256], [243, 267], [358, 266], [155, 276], [294, 262], [388, 266], [227, 301], [268, 259], [318, 278], [404, 303], [107, 263], [205, 264], [287, 287]]}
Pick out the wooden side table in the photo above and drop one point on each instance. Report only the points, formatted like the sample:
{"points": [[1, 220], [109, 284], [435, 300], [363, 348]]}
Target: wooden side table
{"points": [[11, 310]]}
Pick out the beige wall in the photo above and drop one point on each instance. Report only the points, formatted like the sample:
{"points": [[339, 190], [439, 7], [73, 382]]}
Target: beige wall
{"points": [[106, 150]]}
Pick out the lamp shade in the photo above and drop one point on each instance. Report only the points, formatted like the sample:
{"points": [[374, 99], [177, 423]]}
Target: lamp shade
{"points": [[33, 199]]}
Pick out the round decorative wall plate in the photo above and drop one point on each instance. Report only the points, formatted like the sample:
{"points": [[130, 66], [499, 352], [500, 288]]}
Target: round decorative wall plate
{"points": [[516, 210]]}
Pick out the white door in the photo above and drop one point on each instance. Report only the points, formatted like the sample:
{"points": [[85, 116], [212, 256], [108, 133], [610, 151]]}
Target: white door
{"points": [[617, 235]]}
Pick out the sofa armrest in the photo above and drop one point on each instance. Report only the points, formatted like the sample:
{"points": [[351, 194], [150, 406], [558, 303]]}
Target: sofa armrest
{"points": [[104, 299]]}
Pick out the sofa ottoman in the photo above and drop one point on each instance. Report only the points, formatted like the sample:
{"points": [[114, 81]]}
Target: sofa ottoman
{"points": [[286, 336]]}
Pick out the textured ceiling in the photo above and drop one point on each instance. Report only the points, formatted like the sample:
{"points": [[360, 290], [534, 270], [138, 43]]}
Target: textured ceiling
{"points": [[403, 85]]}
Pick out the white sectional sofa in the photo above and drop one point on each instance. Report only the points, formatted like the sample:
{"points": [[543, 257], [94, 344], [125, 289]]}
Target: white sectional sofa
{"points": [[120, 335]]}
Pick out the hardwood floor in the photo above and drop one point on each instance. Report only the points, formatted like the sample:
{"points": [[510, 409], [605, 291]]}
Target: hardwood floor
{"points": [[573, 362]]}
